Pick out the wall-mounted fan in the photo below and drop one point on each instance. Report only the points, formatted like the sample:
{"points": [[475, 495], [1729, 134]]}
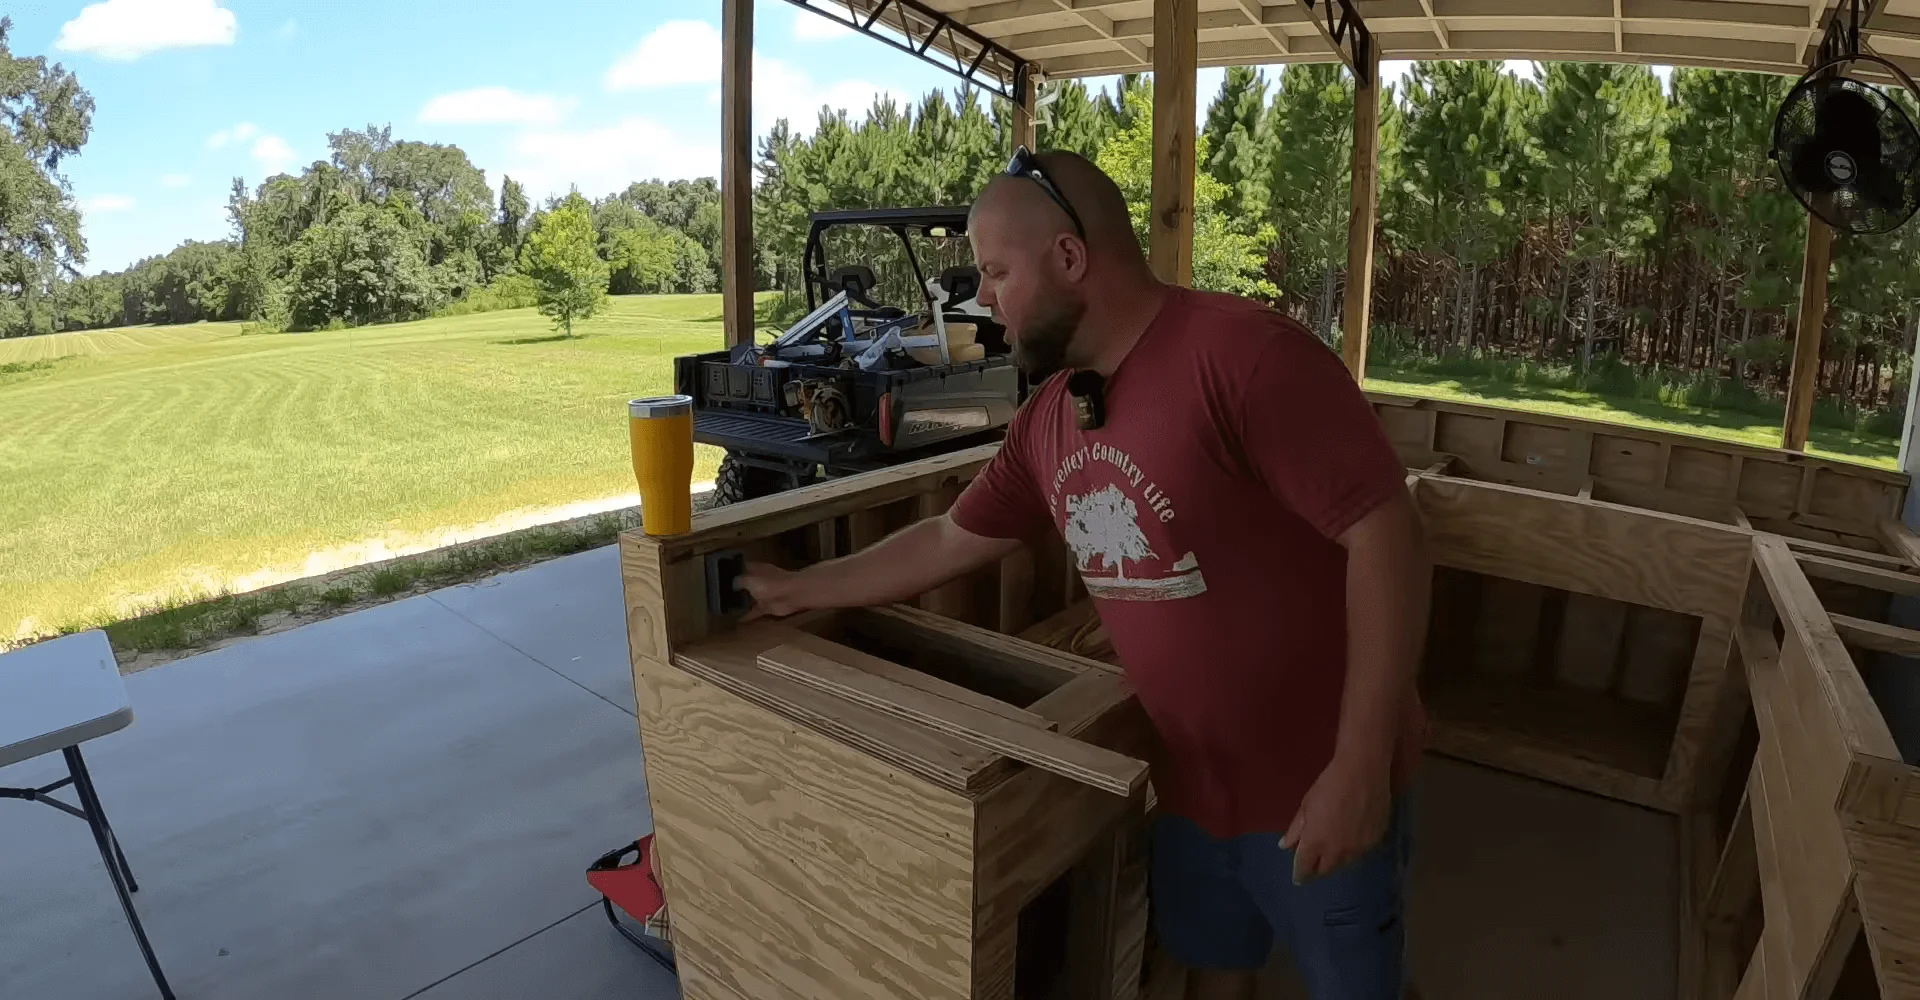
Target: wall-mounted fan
{"points": [[1847, 150]]}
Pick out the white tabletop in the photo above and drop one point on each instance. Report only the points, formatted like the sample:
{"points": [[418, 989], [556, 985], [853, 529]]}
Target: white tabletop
{"points": [[59, 693]]}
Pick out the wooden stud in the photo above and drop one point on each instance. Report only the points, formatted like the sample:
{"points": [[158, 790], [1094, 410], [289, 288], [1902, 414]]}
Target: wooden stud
{"points": [[1877, 636], [1740, 518], [1026, 128], [1900, 541], [1356, 312], [1176, 40], [736, 170], [1803, 381], [1058, 754]]}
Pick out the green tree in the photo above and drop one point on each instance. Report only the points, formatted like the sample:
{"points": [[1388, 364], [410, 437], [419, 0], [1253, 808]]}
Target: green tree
{"points": [[643, 258], [366, 265], [1311, 124], [1224, 259], [1605, 127], [45, 117], [1457, 138], [562, 260], [1074, 119], [1240, 151]]}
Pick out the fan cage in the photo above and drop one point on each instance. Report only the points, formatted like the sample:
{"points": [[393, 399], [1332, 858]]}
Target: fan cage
{"points": [[1846, 209]]}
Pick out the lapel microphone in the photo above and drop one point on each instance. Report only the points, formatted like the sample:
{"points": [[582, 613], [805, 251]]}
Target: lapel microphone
{"points": [[1088, 389]]}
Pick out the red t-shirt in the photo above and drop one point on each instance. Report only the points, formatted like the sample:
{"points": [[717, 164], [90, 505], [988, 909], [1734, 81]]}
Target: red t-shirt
{"points": [[1203, 516]]}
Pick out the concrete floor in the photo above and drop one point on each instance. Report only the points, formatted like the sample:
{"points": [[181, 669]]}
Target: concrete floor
{"points": [[401, 803], [396, 803]]}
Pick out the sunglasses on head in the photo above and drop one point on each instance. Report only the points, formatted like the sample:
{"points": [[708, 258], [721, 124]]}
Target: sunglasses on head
{"points": [[1026, 164]]}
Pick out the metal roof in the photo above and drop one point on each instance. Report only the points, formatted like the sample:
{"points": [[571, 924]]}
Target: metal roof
{"points": [[1072, 38]]}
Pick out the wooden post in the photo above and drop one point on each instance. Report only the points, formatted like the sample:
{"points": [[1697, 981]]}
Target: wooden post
{"points": [[1176, 49], [1801, 384], [1364, 196], [736, 170], [1026, 131]]}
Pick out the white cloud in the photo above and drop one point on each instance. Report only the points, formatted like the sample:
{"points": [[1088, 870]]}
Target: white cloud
{"points": [[238, 134], [781, 90], [494, 106], [810, 26], [604, 160], [101, 204], [273, 154], [174, 180], [129, 29], [677, 52]]}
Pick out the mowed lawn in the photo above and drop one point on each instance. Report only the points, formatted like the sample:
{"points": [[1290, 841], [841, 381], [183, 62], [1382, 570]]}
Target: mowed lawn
{"points": [[147, 463]]}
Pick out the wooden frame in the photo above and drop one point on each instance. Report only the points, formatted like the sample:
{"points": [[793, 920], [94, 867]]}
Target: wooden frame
{"points": [[1814, 500], [832, 823], [1825, 850]]}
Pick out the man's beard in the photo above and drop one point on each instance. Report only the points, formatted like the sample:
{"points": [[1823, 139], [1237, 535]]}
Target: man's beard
{"points": [[1041, 348]]}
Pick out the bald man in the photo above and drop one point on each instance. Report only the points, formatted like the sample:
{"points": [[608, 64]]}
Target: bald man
{"points": [[1243, 527]]}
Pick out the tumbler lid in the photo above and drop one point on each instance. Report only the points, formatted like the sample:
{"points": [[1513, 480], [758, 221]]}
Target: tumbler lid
{"points": [[660, 406]]}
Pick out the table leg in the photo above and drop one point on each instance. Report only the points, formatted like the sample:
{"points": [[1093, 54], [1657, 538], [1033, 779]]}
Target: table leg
{"points": [[115, 861]]}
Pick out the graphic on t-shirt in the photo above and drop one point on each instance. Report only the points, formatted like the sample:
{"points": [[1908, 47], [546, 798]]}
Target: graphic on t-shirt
{"points": [[1103, 530]]}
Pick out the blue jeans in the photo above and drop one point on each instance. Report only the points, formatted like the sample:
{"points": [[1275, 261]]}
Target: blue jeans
{"points": [[1218, 904]]}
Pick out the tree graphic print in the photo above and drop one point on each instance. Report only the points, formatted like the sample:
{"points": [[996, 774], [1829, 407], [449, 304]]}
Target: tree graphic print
{"points": [[1105, 523]]}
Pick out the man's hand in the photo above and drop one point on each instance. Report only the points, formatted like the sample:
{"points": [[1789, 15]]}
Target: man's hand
{"points": [[1342, 816], [776, 592]]}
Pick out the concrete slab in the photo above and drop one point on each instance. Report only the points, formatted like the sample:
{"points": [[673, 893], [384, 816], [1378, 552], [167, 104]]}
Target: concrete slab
{"points": [[567, 613], [581, 958], [360, 807]]}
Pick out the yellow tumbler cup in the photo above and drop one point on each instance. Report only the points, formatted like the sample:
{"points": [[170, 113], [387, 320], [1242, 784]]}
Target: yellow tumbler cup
{"points": [[660, 428]]}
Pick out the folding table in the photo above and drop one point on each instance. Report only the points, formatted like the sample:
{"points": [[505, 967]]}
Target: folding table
{"points": [[56, 695]]}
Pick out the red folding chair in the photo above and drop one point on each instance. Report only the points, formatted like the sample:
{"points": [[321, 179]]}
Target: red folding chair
{"points": [[633, 887]]}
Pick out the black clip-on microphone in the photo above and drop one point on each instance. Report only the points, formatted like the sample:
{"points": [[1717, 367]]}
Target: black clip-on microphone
{"points": [[1088, 389]]}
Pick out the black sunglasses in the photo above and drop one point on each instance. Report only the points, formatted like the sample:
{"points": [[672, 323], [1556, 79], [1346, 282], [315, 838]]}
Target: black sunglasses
{"points": [[1026, 164]]}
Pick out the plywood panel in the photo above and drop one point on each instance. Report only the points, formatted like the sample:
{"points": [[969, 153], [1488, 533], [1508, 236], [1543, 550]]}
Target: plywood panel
{"points": [[1888, 862], [1628, 459], [1536, 445], [1470, 437], [1508, 633], [770, 945], [1406, 427], [1590, 642], [905, 808], [1697, 470], [1659, 654], [1768, 488], [789, 846], [1585, 547], [1850, 498]]}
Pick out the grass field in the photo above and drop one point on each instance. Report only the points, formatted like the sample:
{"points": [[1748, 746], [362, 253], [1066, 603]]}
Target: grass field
{"points": [[146, 466], [152, 463]]}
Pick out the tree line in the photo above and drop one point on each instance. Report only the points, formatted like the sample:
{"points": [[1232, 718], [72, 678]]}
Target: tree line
{"points": [[1584, 219]]}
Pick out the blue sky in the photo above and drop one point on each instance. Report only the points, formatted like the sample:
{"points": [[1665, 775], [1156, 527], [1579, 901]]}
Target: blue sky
{"points": [[192, 93]]}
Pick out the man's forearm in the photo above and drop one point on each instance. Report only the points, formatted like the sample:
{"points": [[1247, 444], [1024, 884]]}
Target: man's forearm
{"points": [[1388, 582], [900, 567]]}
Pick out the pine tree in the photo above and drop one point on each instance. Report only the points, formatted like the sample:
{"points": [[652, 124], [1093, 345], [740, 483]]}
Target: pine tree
{"points": [[1239, 152]]}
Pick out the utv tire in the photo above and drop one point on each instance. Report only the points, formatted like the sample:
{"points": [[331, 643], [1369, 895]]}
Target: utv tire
{"points": [[737, 481]]}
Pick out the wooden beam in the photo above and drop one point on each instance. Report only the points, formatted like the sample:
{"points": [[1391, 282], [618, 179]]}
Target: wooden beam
{"points": [[1900, 540], [736, 170], [1026, 131], [1844, 571], [1356, 313], [1062, 755], [1877, 636], [1176, 45], [1806, 342]]}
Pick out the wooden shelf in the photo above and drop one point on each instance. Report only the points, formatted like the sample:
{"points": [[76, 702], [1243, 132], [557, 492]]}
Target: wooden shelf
{"points": [[1596, 742]]}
